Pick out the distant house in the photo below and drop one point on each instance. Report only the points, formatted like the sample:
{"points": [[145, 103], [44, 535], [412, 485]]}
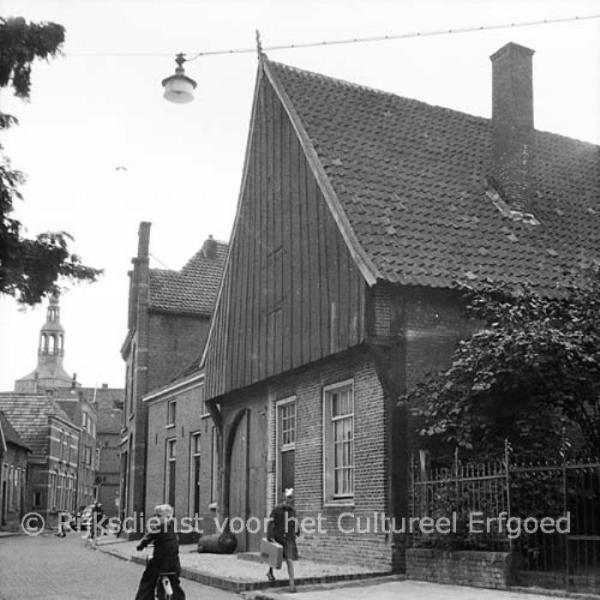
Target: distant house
{"points": [[57, 417], [83, 413], [169, 315], [13, 475], [358, 213], [52, 465], [109, 410]]}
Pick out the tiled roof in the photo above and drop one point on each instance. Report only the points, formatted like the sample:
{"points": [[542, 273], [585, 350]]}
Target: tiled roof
{"points": [[29, 416], [411, 179], [193, 289], [7, 431]]}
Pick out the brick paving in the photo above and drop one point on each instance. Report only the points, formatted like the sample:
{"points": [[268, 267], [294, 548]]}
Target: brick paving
{"points": [[51, 568]]}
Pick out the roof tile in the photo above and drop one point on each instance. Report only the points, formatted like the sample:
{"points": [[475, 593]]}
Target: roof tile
{"points": [[193, 289], [411, 179]]}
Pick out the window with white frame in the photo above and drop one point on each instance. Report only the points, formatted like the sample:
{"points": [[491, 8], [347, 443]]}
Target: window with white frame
{"points": [[171, 413], [338, 442], [286, 444], [195, 457], [171, 472]]}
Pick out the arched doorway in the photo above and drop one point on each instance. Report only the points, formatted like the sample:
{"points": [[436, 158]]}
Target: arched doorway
{"points": [[247, 458]]}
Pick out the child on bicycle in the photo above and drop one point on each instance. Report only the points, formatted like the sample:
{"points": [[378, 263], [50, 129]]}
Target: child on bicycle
{"points": [[165, 558]]}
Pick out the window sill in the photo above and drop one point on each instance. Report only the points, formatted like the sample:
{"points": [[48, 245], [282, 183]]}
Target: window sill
{"points": [[170, 426], [339, 503]]}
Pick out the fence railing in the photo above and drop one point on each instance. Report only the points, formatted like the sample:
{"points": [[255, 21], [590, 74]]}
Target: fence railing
{"points": [[547, 514]]}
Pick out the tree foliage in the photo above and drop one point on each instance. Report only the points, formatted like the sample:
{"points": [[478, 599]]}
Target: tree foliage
{"points": [[29, 268], [529, 374]]}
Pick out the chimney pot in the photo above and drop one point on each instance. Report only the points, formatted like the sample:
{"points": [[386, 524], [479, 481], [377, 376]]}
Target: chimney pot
{"points": [[512, 124], [209, 248]]}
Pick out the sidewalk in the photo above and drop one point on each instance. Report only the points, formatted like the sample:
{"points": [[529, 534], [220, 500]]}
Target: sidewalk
{"points": [[412, 590], [318, 581], [226, 571]]}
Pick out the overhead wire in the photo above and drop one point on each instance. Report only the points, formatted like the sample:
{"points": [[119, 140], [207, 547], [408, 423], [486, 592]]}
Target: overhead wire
{"points": [[357, 40]]}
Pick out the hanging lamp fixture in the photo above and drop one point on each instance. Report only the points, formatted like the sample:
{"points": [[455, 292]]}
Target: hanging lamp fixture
{"points": [[179, 88]]}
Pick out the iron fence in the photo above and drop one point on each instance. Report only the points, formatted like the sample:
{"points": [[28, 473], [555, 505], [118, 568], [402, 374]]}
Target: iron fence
{"points": [[546, 514]]}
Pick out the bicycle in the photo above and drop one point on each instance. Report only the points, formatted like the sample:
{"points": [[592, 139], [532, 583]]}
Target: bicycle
{"points": [[163, 590]]}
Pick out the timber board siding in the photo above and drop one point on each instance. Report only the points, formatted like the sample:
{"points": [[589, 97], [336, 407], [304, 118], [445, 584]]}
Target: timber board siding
{"points": [[291, 293]]}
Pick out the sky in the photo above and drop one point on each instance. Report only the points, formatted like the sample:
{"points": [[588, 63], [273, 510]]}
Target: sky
{"points": [[100, 107]]}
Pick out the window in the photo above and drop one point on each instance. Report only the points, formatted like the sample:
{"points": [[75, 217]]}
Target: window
{"points": [[195, 475], [65, 444], [60, 498], [10, 488], [286, 444], [37, 499], [171, 473], [338, 442], [171, 407], [131, 381], [214, 466], [51, 491]]}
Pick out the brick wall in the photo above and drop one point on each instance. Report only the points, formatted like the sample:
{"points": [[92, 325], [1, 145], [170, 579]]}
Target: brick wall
{"points": [[13, 483], [189, 420], [435, 322], [307, 385], [478, 569], [174, 341]]}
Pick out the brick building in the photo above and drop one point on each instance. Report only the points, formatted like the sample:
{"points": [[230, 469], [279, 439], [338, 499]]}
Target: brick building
{"points": [[13, 475], [359, 211], [82, 412], [168, 320], [109, 407], [182, 467], [57, 417], [52, 465]]}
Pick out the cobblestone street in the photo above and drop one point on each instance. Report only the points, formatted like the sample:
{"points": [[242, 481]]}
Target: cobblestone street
{"points": [[50, 568]]}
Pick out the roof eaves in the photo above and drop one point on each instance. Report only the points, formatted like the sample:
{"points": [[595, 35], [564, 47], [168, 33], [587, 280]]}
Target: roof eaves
{"points": [[368, 270]]}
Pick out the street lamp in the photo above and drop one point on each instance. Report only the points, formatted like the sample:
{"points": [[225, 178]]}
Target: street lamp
{"points": [[179, 88]]}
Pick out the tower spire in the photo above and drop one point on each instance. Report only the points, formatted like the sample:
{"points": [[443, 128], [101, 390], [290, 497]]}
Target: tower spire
{"points": [[49, 373]]}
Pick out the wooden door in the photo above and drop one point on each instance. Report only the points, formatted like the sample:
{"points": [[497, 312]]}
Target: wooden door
{"points": [[248, 479], [239, 481], [257, 477]]}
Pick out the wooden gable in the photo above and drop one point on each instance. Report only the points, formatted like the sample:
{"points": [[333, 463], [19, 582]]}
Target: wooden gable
{"points": [[291, 292]]}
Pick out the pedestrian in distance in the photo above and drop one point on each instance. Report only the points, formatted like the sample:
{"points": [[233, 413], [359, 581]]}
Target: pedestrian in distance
{"points": [[165, 558], [95, 527], [283, 528], [63, 524]]}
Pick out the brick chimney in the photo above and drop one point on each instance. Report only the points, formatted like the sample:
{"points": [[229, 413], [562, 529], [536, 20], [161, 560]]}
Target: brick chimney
{"points": [[209, 248], [512, 125]]}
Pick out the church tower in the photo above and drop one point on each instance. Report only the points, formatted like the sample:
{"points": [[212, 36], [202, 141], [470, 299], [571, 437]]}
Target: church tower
{"points": [[49, 373]]}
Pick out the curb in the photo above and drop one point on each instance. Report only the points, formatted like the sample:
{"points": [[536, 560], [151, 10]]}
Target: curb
{"points": [[234, 585], [553, 593], [323, 587]]}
